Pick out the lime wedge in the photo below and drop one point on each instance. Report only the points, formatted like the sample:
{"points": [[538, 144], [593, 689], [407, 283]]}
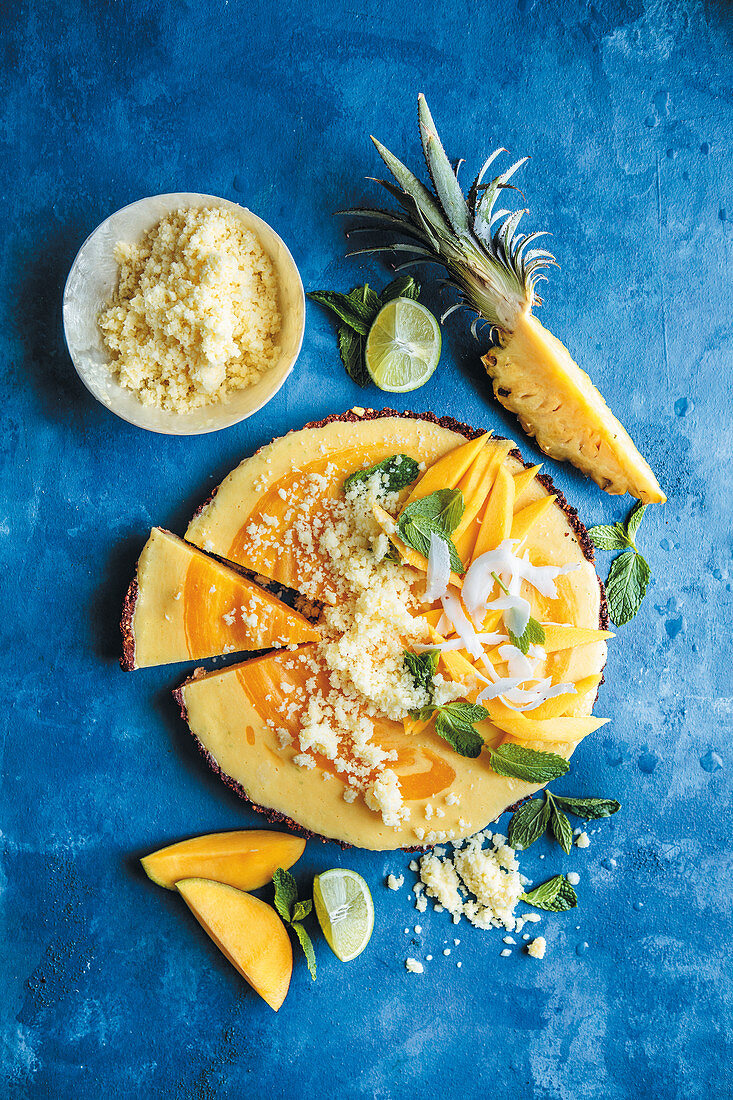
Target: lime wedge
{"points": [[345, 911], [403, 346]]}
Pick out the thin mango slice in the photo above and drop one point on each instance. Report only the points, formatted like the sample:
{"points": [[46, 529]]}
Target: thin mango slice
{"points": [[561, 636], [496, 521], [528, 517], [448, 470], [524, 479]]}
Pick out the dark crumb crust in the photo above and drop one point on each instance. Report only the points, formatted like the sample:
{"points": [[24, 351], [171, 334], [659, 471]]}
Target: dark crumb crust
{"points": [[127, 660], [578, 528]]}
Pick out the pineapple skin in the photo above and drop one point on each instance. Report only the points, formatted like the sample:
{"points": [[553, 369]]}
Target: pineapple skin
{"points": [[535, 377]]}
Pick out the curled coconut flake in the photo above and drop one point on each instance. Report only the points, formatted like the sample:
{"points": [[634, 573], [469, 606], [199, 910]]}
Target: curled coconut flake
{"points": [[517, 699], [489, 638], [462, 624], [438, 574]]}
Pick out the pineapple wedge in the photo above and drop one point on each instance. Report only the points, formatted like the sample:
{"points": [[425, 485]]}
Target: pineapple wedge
{"points": [[555, 401], [495, 270]]}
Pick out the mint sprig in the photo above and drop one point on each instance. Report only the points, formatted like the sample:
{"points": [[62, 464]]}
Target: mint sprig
{"points": [[356, 311], [533, 817], [293, 913], [555, 896], [629, 574], [454, 722], [398, 471], [438, 513], [422, 667], [532, 766]]}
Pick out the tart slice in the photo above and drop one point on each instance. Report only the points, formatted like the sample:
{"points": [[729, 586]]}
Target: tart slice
{"points": [[325, 736], [185, 605]]}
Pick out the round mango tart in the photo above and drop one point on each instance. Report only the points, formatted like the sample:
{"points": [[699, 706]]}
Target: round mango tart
{"points": [[445, 604]]}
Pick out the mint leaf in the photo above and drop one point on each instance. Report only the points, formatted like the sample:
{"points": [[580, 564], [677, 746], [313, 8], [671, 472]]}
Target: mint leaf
{"points": [[286, 893], [439, 512], [301, 909], [444, 509], [633, 522], [555, 895], [422, 667], [351, 350], [589, 808], [307, 944], [527, 764], [349, 308], [454, 723], [607, 537], [626, 586], [534, 634], [629, 574], [561, 829], [463, 737], [528, 823], [403, 287], [398, 471]]}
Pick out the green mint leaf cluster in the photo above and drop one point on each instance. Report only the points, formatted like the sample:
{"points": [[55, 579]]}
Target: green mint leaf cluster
{"points": [[533, 817], [293, 913], [398, 471], [454, 722], [422, 667], [555, 896], [532, 766], [439, 513], [356, 311], [629, 574]]}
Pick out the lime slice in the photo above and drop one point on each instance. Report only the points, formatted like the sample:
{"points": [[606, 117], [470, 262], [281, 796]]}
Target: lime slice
{"points": [[345, 911], [403, 346]]}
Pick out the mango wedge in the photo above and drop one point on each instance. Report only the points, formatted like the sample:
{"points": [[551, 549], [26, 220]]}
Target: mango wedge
{"points": [[448, 470], [248, 931], [476, 486], [245, 859], [550, 729], [524, 479], [559, 705], [497, 518], [559, 636], [527, 518]]}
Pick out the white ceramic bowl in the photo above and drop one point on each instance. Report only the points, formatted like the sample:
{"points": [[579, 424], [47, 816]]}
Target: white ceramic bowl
{"points": [[90, 284]]}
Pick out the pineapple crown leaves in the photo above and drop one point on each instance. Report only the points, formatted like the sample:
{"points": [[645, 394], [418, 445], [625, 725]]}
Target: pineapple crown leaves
{"points": [[489, 262]]}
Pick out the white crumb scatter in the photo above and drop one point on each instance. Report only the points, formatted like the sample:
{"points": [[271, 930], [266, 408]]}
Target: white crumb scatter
{"points": [[509, 939], [194, 315], [582, 840], [452, 799], [573, 878], [394, 882], [505, 953], [537, 947], [526, 936], [447, 951], [459, 965], [414, 966], [421, 904], [418, 929], [350, 795], [414, 866], [456, 943]]}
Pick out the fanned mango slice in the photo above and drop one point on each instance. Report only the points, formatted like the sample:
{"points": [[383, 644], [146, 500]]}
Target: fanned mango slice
{"points": [[248, 931], [522, 728], [525, 519], [243, 858], [559, 636], [448, 471], [560, 705], [496, 521], [185, 605], [478, 484], [523, 480]]}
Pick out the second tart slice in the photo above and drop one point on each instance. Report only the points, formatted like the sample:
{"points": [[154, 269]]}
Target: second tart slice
{"points": [[185, 605]]}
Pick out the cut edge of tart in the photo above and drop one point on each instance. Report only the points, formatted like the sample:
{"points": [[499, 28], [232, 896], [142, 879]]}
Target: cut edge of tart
{"points": [[183, 604], [227, 710]]}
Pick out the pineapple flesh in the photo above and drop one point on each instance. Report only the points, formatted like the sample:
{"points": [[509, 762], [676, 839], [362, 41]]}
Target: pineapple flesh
{"points": [[495, 270], [555, 401]]}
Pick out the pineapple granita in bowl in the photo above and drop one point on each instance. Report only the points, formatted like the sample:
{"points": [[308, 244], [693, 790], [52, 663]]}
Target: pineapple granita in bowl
{"points": [[184, 313]]}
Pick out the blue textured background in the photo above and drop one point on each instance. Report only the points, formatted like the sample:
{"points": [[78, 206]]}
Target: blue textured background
{"points": [[108, 986]]}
